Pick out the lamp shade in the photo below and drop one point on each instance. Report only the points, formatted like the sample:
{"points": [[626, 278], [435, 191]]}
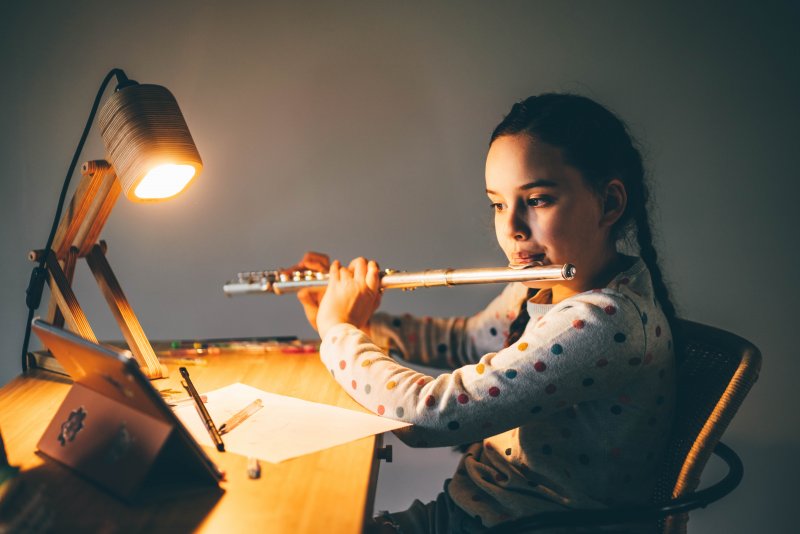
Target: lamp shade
{"points": [[148, 143]]}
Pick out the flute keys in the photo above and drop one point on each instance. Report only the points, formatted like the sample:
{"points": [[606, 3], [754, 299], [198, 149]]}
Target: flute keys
{"points": [[305, 276]]}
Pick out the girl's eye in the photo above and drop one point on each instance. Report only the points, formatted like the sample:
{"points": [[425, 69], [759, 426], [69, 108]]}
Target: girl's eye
{"points": [[539, 202], [496, 206]]}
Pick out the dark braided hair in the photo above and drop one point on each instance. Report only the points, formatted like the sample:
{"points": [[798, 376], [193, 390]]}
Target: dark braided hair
{"points": [[597, 143]]}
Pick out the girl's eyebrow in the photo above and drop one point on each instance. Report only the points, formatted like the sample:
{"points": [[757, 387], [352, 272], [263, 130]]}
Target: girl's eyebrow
{"points": [[531, 185]]}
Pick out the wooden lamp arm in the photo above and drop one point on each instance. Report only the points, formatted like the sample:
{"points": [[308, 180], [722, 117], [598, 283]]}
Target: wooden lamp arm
{"points": [[77, 237]]}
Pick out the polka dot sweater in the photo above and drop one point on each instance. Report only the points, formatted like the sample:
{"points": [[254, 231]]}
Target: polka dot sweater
{"points": [[574, 414]]}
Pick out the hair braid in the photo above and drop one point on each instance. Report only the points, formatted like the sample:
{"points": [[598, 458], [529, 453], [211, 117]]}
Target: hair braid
{"points": [[649, 255], [640, 221]]}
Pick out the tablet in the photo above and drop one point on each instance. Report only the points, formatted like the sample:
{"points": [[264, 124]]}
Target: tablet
{"points": [[113, 426]]}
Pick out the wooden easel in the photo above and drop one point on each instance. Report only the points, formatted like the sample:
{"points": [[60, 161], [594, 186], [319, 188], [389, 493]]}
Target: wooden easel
{"points": [[77, 237]]}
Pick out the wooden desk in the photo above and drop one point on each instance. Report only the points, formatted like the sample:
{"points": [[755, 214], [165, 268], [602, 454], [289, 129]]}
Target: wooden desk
{"points": [[328, 491]]}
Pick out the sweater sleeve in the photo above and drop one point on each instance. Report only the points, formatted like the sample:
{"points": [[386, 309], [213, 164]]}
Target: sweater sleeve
{"points": [[583, 348], [449, 343]]}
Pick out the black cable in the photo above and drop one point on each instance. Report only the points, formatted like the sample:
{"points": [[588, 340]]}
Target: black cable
{"points": [[39, 274]]}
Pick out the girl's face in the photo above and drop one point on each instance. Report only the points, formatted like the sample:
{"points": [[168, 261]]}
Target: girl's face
{"points": [[544, 211]]}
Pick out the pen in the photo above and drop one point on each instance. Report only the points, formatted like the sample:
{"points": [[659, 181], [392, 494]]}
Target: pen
{"points": [[201, 409], [177, 353], [224, 342], [240, 416], [183, 360]]}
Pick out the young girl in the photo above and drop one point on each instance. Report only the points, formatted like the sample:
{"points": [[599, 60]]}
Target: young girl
{"points": [[564, 390]]}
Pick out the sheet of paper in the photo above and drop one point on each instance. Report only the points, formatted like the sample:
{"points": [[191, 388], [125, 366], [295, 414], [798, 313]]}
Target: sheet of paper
{"points": [[284, 428]]}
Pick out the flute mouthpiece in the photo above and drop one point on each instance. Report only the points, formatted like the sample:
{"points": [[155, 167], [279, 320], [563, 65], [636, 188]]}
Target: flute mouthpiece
{"points": [[522, 267]]}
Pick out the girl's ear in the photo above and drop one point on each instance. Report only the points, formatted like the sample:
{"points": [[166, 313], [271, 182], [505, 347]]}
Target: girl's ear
{"points": [[615, 199]]}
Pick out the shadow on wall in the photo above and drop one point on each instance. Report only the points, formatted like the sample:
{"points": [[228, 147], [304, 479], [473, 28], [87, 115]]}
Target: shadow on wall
{"points": [[412, 474], [767, 500]]}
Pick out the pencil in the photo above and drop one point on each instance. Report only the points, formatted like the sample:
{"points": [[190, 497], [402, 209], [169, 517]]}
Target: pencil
{"points": [[239, 417]]}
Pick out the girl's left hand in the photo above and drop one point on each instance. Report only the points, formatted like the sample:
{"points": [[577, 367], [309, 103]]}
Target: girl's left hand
{"points": [[352, 296]]}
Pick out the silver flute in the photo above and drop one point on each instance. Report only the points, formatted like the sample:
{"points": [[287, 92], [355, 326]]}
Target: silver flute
{"points": [[280, 282]]}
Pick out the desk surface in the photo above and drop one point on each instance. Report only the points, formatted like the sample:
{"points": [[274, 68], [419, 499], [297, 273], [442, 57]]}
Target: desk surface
{"points": [[327, 491]]}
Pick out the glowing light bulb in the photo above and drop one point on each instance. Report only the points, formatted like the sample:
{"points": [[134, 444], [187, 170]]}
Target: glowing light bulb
{"points": [[164, 181]]}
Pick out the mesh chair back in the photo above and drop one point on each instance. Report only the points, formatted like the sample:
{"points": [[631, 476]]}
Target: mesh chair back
{"points": [[715, 371]]}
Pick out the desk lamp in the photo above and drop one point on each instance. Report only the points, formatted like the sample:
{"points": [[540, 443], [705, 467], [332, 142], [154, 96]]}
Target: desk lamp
{"points": [[150, 156]]}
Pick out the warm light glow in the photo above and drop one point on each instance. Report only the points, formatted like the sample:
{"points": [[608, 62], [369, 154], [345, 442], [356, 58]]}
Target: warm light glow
{"points": [[164, 181]]}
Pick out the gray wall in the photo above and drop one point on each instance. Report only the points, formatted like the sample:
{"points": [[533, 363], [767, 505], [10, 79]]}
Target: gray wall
{"points": [[361, 129]]}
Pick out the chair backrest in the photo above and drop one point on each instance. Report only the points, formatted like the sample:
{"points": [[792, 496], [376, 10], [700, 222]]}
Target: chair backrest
{"points": [[715, 371]]}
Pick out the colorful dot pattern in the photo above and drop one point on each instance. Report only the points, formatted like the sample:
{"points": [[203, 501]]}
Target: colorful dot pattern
{"points": [[598, 360]]}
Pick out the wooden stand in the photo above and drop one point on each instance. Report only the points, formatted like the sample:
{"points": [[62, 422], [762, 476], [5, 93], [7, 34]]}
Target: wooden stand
{"points": [[77, 237]]}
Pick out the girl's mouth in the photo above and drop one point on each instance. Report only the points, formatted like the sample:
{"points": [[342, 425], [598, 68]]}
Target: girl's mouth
{"points": [[523, 260]]}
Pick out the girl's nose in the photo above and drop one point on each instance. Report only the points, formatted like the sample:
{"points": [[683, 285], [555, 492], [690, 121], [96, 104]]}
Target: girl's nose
{"points": [[519, 228]]}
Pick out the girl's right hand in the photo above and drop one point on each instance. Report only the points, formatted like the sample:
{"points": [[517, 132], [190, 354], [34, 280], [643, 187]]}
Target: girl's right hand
{"points": [[352, 296], [310, 298]]}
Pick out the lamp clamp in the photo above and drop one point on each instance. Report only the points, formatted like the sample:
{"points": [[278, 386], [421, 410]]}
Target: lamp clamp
{"points": [[122, 80]]}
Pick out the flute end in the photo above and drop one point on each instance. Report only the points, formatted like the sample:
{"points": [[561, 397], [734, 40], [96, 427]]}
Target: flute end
{"points": [[568, 271]]}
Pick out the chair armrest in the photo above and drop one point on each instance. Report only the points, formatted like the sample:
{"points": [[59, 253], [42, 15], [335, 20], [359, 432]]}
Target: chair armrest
{"points": [[634, 514]]}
